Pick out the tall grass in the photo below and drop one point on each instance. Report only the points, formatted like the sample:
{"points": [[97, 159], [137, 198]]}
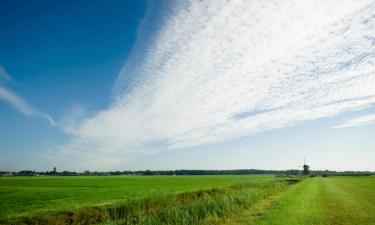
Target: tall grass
{"points": [[200, 207]]}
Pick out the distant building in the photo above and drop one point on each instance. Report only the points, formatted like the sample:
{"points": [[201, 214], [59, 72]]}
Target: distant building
{"points": [[306, 169], [6, 174]]}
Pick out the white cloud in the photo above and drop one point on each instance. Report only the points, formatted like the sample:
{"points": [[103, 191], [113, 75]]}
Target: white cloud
{"points": [[17, 101], [4, 74], [70, 118], [359, 121], [221, 69]]}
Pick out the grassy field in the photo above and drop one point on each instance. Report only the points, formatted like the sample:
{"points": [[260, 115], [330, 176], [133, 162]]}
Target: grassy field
{"points": [[230, 200], [31, 196], [319, 201]]}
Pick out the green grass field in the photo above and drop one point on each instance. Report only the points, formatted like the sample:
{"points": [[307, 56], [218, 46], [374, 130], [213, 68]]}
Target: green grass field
{"points": [[30, 196], [260, 200], [321, 201]]}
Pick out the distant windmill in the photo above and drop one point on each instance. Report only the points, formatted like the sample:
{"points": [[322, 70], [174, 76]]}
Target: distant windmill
{"points": [[306, 168]]}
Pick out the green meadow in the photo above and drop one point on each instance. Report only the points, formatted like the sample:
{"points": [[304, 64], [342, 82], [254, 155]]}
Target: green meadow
{"points": [[260, 200], [318, 201]]}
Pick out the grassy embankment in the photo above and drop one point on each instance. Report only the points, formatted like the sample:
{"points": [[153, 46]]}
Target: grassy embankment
{"points": [[131, 200], [317, 201]]}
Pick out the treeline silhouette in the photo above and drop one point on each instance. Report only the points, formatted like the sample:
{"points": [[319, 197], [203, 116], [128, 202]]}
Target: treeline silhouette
{"points": [[185, 172]]}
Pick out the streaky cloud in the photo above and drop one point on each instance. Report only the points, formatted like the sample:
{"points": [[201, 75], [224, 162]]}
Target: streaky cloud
{"points": [[214, 70], [359, 121], [17, 101], [4, 74]]}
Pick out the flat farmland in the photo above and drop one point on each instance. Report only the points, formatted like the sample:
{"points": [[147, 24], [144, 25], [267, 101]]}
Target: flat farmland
{"points": [[318, 201], [230, 200], [34, 196]]}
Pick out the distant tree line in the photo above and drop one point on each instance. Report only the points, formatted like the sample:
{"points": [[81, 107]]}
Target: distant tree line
{"points": [[54, 172]]}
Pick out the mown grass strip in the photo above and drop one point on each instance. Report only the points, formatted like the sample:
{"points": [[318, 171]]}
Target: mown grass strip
{"points": [[325, 201], [254, 213], [200, 207]]}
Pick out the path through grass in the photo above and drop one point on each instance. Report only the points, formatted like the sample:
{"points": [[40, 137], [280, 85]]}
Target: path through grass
{"points": [[326, 201]]}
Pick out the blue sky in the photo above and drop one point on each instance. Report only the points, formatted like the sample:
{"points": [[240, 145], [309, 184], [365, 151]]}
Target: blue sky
{"points": [[107, 85]]}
